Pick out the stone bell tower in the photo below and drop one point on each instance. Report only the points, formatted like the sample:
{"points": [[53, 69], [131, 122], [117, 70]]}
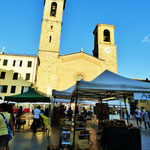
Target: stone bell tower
{"points": [[104, 46], [49, 45]]}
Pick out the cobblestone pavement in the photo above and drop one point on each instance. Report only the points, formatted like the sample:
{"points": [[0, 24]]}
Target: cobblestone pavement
{"points": [[39, 141]]}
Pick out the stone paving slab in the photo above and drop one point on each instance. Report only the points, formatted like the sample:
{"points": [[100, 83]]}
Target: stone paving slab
{"points": [[145, 139], [29, 141], [39, 141]]}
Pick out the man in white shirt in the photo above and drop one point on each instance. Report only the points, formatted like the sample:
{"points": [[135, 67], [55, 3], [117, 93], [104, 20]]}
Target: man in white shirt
{"points": [[36, 113], [138, 118]]}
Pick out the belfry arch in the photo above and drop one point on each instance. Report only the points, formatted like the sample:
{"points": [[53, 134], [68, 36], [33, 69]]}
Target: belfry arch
{"points": [[53, 9], [106, 36]]}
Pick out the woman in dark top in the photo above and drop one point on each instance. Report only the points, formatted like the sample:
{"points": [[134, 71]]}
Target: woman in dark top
{"points": [[10, 110], [18, 120]]}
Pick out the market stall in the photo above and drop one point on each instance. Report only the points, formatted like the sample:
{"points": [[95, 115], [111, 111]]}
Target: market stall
{"points": [[31, 96], [106, 86], [67, 126]]}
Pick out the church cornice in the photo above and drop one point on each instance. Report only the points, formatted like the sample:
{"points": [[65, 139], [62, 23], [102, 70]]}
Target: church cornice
{"points": [[108, 44], [57, 21], [49, 51], [106, 25], [80, 55], [18, 55]]}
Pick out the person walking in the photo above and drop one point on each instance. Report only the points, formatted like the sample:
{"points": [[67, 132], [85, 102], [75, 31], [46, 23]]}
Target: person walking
{"points": [[146, 119], [4, 137], [138, 118], [36, 113], [84, 113]]}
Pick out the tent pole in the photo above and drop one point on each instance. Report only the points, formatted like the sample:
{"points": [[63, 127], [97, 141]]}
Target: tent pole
{"points": [[120, 110], [73, 145], [70, 103], [50, 114], [126, 111], [101, 115], [101, 112]]}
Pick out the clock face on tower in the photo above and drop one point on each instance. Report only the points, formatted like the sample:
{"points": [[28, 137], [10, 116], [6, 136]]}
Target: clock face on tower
{"points": [[107, 50]]}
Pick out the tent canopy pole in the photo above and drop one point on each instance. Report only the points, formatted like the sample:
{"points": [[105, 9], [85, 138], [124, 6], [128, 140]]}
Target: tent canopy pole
{"points": [[49, 128], [120, 110], [73, 145], [100, 99], [126, 111]]}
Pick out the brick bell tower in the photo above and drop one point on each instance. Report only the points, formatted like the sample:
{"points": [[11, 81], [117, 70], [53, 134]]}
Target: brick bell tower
{"points": [[48, 52]]}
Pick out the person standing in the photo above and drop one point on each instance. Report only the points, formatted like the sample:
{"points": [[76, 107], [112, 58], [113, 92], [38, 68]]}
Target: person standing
{"points": [[84, 113], [4, 137], [138, 118], [69, 113], [146, 119], [10, 110], [36, 113], [18, 118], [123, 113]]}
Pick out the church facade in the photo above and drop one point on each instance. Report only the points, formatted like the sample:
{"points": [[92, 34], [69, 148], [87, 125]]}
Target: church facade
{"points": [[62, 71]]}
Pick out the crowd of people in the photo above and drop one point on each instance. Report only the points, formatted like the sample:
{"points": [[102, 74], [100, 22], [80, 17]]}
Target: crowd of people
{"points": [[142, 116], [15, 121], [10, 122], [83, 112]]}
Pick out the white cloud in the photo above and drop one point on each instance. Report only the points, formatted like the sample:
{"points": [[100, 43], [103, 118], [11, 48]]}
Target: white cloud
{"points": [[146, 39]]}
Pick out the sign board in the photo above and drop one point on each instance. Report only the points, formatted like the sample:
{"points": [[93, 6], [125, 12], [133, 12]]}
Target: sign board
{"points": [[65, 137], [102, 111], [142, 96]]}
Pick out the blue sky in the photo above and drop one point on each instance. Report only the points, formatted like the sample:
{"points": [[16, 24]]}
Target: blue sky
{"points": [[21, 26]]}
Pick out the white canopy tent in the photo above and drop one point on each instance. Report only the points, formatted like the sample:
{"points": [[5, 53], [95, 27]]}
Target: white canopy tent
{"points": [[65, 94], [68, 101], [108, 85]]}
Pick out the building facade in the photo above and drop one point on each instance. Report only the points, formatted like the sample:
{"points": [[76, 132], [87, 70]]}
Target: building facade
{"points": [[50, 70], [61, 72], [17, 73]]}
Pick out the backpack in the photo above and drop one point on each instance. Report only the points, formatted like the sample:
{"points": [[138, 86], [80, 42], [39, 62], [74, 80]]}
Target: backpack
{"points": [[10, 131]]}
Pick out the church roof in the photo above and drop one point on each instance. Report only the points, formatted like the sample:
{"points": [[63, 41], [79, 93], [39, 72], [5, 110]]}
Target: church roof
{"points": [[82, 54]]}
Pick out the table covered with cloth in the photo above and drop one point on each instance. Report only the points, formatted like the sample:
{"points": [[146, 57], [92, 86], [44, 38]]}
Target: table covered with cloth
{"points": [[117, 138]]}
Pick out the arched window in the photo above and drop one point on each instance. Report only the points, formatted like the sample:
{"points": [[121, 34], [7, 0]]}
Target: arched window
{"points": [[79, 77], [53, 9], [106, 36]]}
